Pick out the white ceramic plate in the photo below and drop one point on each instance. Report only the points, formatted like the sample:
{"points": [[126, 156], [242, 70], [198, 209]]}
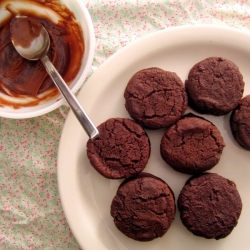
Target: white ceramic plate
{"points": [[86, 196]]}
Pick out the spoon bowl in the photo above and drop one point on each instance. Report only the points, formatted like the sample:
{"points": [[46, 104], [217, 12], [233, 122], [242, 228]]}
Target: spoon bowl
{"points": [[31, 40], [39, 45]]}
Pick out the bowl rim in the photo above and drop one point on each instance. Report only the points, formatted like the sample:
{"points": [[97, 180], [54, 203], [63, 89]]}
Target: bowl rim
{"points": [[88, 54]]}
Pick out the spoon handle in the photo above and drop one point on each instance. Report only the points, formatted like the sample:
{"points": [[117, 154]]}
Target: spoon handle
{"points": [[81, 115]]}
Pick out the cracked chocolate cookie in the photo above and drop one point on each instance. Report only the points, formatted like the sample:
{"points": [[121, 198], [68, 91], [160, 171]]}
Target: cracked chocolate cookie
{"points": [[143, 207], [192, 145], [215, 86], [121, 150], [155, 98], [209, 206], [240, 122]]}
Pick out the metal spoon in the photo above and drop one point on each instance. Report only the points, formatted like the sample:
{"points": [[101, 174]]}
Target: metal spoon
{"points": [[38, 50]]}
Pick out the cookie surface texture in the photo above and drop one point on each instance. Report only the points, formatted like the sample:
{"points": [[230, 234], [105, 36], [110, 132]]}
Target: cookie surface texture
{"points": [[209, 206], [192, 145], [240, 122], [155, 98], [121, 150], [143, 208], [215, 86]]}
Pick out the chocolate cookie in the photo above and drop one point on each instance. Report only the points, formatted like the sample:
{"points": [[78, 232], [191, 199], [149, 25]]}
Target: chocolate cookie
{"points": [[121, 150], [209, 206], [155, 98], [214, 85], [144, 207], [192, 145], [240, 122]]}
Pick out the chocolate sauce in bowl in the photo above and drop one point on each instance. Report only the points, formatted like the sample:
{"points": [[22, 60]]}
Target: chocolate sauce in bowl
{"points": [[21, 78]]}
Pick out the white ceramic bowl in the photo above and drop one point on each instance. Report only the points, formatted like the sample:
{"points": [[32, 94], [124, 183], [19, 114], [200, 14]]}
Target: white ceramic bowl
{"points": [[82, 16]]}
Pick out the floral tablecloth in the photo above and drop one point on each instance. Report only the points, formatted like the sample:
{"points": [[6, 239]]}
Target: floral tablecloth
{"points": [[31, 215]]}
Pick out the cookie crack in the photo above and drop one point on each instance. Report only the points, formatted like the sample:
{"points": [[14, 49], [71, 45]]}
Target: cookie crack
{"points": [[138, 135]]}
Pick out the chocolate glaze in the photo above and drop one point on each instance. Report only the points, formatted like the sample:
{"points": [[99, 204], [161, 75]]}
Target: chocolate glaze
{"points": [[29, 77], [19, 76]]}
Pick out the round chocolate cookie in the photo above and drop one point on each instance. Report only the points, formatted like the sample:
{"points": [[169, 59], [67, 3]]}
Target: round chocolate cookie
{"points": [[192, 145], [121, 150], [214, 85], [209, 206], [143, 207], [155, 98], [240, 122]]}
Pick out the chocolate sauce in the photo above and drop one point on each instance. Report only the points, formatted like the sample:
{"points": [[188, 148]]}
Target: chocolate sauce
{"points": [[19, 76]]}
